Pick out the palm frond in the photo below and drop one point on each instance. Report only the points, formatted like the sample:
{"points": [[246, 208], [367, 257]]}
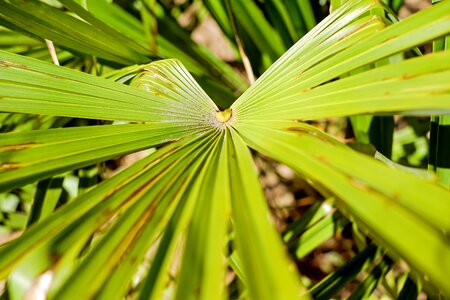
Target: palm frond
{"points": [[195, 204]]}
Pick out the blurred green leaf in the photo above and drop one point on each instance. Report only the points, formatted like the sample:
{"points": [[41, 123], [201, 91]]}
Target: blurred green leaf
{"points": [[87, 35], [334, 282], [256, 26]]}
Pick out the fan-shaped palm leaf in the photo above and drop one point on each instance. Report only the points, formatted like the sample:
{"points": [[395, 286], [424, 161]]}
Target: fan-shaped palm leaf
{"points": [[201, 185]]}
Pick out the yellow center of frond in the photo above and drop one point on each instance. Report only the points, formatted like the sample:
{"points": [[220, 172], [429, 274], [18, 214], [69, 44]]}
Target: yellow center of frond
{"points": [[223, 116]]}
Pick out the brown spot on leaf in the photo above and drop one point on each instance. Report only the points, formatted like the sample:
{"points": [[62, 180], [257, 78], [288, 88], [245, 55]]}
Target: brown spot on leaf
{"points": [[107, 212], [387, 40], [57, 77], [9, 166], [360, 184], [300, 74], [305, 90], [302, 131], [408, 76], [6, 64], [55, 257], [395, 196], [322, 158], [16, 147], [360, 26]]}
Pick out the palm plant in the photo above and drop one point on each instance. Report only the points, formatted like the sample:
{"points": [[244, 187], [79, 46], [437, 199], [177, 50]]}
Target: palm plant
{"points": [[194, 206]]}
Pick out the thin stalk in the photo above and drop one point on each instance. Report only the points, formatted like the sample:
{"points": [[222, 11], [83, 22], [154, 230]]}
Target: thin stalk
{"points": [[51, 49], [244, 57]]}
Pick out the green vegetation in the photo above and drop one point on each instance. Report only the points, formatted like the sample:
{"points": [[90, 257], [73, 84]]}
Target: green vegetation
{"points": [[189, 220]]}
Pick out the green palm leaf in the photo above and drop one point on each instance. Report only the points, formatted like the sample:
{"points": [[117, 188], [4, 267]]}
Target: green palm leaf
{"points": [[22, 155], [350, 177], [303, 69], [186, 197], [38, 19], [255, 237]]}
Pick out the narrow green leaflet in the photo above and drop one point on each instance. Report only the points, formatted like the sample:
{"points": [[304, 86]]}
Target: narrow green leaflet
{"points": [[415, 86], [136, 229], [184, 98], [297, 87], [406, 205], [316, 213], [58, 91], [46, 22], [173, 220], [159, 275], [268, 272], [288, 84], [71, 153], [334, 282], [48, 193], [29, 156], [134, 180], [366, 288], [316, 226], [11, 38], [202, 273], [170, 43], [140, 205], [307, 51], [257, 27], [307, 13], [52, 90], [278, 15]]}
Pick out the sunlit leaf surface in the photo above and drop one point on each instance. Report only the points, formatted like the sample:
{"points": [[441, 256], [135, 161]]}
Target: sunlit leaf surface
{"points": [[194, 207]]}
